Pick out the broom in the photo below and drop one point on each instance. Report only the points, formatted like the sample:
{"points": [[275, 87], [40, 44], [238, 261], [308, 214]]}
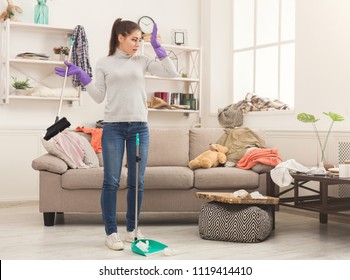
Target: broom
{"points": [[63, 123]]}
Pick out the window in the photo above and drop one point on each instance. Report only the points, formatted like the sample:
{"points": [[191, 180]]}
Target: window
{"points": [[263, 49]]}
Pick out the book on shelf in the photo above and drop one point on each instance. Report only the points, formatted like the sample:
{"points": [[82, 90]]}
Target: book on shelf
{"points": [[175, 100], [30, 55]]}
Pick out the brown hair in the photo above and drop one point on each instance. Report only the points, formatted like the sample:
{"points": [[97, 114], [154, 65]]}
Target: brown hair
{"points": [[123, 27]]}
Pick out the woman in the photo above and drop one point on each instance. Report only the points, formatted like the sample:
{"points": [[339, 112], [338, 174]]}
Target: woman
{"points": [[120, 77]]}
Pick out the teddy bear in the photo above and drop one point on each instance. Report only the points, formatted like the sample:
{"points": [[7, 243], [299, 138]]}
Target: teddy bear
{"points": [[10, 11], [211, 158]]}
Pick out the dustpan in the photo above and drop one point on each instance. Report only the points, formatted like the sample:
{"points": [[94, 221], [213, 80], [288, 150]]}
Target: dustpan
{"points": [[151, 247], [144, 246]]}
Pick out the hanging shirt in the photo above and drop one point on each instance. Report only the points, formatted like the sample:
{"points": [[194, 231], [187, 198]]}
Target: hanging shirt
{"points": [[80, 53]]}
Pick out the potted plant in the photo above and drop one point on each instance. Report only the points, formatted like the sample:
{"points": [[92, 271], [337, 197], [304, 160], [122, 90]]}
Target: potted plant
{"points": [[21, 86], [61, 51], [308, 118]]}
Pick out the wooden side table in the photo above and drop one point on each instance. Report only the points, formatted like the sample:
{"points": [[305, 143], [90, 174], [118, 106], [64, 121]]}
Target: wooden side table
{"points": [[319, 202]]}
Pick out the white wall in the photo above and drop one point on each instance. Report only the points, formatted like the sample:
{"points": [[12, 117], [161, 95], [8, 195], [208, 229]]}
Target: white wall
{"points": [[322, 76], [97, 19], [22, 122]]}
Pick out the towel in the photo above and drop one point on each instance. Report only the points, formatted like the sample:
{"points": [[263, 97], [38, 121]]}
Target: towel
{"points": [[280, 175], [70, 144], [256, 155]]}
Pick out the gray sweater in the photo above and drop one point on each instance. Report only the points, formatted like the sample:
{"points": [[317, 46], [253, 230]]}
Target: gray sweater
{"points": [[122, 78]]}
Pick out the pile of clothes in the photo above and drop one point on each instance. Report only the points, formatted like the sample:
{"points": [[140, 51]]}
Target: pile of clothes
{"points": [[232, 115], [253, 102], [246, 149]]}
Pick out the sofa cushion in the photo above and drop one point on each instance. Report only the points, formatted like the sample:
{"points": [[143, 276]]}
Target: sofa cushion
{"points": [[262, 168], [201, 138], [90, 157], [168, 177], [49, 163], [88, 137], [100, 158], [168, 147], [225, 178], [91, 178]]}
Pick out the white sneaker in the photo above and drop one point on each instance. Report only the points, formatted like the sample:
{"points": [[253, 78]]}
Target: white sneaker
{"points": [[130, 236], [114, 242]]}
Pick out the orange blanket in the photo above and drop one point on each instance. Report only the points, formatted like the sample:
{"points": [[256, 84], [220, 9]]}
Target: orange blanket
{"points": [[264, 156], [96, 137]]}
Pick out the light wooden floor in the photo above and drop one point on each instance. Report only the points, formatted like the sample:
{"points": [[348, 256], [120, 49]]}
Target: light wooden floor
{"points": [[298, 235]]}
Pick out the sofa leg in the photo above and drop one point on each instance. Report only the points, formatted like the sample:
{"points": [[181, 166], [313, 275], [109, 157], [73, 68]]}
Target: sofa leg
{"points": [[49, 218]]}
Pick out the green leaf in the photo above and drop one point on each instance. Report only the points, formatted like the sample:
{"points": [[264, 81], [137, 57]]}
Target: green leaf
{"points": [[306, 118], [335, 117]]}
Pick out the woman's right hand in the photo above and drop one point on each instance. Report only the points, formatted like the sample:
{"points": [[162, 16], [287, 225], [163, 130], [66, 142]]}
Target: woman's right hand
{"points": [[83, 77]]}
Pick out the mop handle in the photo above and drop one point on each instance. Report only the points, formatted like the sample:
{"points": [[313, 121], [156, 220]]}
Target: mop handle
{"points": [[137, 184], [71, 43]]}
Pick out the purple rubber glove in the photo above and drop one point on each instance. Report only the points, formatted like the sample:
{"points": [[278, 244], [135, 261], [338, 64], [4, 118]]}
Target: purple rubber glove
{"points": [[158, 49], [83, 77]]}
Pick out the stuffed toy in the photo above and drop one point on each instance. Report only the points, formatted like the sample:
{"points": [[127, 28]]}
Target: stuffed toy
{"points": [[10, 11], [210, 158]]}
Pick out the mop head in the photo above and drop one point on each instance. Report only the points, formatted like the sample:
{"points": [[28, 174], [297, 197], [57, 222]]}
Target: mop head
{"points": [[56, 128]]}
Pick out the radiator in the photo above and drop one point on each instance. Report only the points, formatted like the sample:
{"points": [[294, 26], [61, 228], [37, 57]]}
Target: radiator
{"points": [[343, 155]]}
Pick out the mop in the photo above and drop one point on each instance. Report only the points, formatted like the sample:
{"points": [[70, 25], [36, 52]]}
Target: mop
{"points": [[63, 123], [144, 246]]}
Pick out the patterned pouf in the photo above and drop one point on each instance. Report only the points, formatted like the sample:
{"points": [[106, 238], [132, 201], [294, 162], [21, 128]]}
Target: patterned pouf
{"points": [[235, 222]]}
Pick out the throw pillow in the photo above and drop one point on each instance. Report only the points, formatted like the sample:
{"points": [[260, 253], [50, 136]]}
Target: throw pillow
{"points": [[90, 157]]}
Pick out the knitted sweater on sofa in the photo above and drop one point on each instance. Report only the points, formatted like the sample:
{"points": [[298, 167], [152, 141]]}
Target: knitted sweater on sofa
{"points": [[238, 140]]}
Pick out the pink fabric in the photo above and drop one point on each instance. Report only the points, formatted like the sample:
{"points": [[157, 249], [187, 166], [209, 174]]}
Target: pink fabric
{"points": [[70, 144], [264, 156]]}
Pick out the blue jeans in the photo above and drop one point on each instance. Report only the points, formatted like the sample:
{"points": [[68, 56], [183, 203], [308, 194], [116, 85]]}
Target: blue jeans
{"points": [[114, 137]]}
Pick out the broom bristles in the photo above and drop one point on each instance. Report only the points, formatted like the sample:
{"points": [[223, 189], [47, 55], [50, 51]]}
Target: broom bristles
{"points": [[56, 128]]}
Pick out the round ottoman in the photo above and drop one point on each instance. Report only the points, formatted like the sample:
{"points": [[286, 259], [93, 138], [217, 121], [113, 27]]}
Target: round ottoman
{"points": [[235, 222]]}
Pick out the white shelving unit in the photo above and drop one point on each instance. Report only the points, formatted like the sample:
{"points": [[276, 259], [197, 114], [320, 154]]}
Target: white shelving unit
{"points": [[187, 60], [19, 37]]}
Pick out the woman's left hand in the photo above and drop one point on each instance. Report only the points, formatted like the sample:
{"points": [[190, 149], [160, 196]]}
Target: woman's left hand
{"points": [[158, 49]]}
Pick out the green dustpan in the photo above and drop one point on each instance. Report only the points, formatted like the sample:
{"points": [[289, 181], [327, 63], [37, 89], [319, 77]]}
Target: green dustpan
{"points": [[147, 247], [144, 246]]}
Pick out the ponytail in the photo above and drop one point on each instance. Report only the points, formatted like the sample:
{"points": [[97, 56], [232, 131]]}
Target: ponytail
{"points": [[123, 27]]}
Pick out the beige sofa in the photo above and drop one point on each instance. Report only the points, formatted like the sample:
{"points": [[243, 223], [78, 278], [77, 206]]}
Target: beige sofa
{"points": [[170, 186]]}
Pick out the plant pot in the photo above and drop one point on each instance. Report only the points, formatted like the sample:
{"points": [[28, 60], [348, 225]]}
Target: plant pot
{"points": [[22, 92], [63, 57]]}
